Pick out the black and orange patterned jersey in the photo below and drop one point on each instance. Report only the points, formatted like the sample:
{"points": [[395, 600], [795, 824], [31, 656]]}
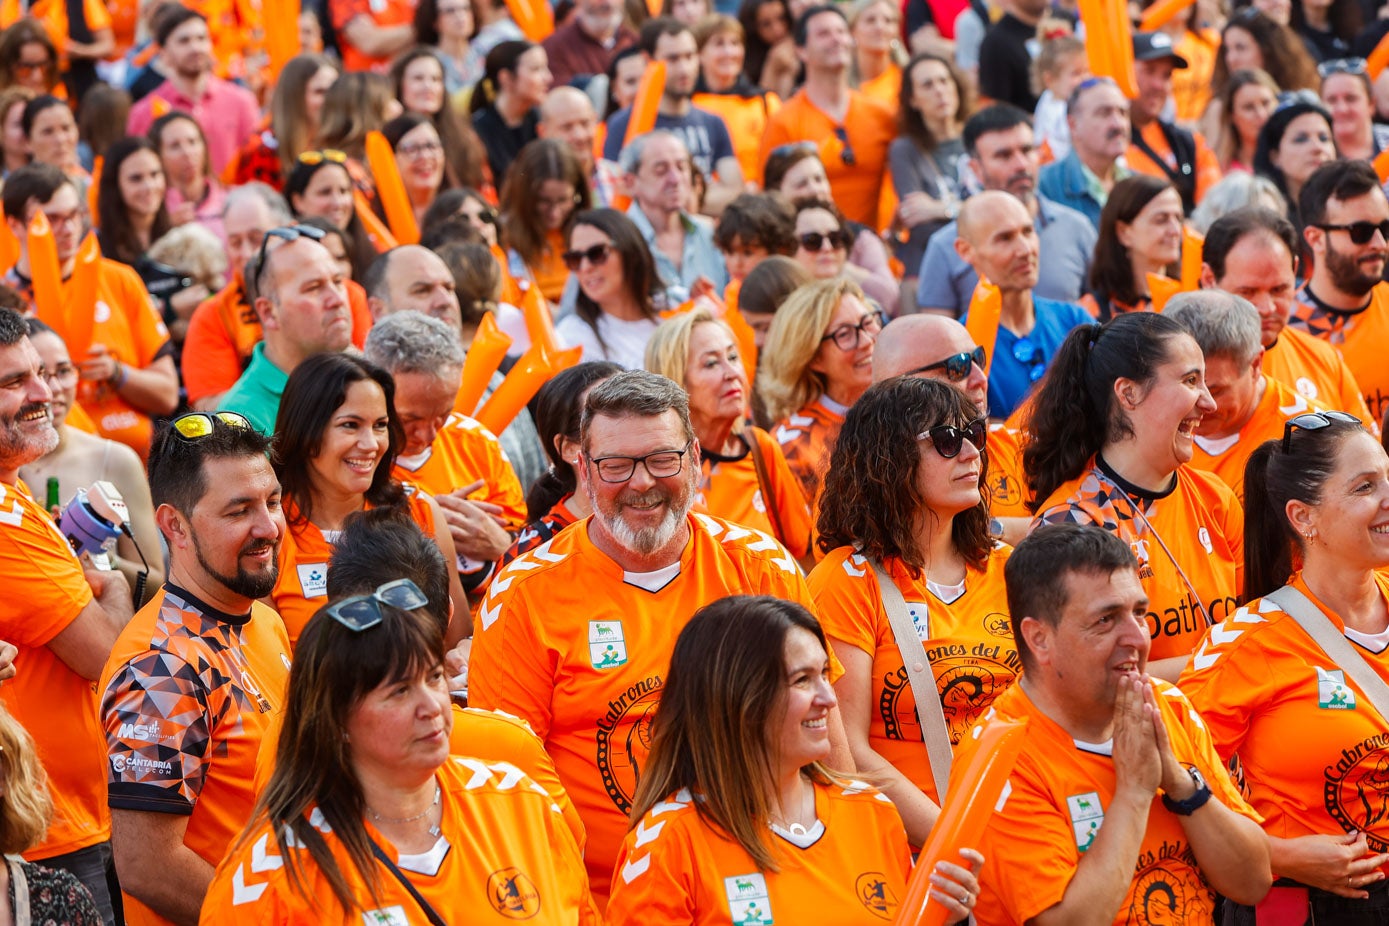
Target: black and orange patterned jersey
{"points": [[538, 533], [1054, 805], [1189, 542], [1007, 485], [1360, 336], [1313, 749], [729, 489], [1226, 457], [504, 855], [969, 643], [807, 440], [1316, 370], [677, 868], [188, 693], [579, 649]]}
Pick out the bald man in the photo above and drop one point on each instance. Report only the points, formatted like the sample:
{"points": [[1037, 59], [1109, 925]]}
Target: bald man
{"points": [[998, 239], [567, 115], [939, 348]]}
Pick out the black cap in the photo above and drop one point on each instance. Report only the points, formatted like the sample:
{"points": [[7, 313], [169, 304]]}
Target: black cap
{"points": [[1154, 46]]}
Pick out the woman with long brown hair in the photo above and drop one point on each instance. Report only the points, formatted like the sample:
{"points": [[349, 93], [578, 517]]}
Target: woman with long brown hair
{"points": [[417, 77], [1140, 234], [545, 190], [296, 109], [615, 312]]}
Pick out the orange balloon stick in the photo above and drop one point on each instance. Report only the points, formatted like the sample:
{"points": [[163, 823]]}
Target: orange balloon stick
{"points": [[743, 334], [1378, 58], [1161, 289], [534, 18], [985, 307], [1381, 164], [539, 325], [391, 189], [281, 19], [1097, 46], [377, 231], [644, 110], [79, 297], [46, 273], [1157, 15], [484, 358], [532, 371], [973, 798], [92, 191], [9, 246], [1121, 39], [1192, 244]]}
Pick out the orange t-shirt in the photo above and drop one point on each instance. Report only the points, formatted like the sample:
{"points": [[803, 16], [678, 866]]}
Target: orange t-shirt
{"points": [[1314, 368], [1201, 523], [234, 27], [1054, 805], [729, 489], [968, 641], [548, 271], [869, 127], [677, 868], [885, 88], [382, 13], [55, 704], [807, 440], [1360, 337], [188, 693], [54, 17], [1226, 458], [746, 118], [1314, 751], [302, 587], [1007, 485], [1191, 86], [508, 857], [579, 649]]}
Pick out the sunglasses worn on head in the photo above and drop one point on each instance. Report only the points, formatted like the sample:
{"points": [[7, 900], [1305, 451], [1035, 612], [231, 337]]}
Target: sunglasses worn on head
{"points": [[1314, 421], [957, 366], [781, 151], [363, 612], [196, 425], [325, 154], [949, 441], [596, 256], [284, 233], [1353, 66], [1360, 232], [814, 241]]}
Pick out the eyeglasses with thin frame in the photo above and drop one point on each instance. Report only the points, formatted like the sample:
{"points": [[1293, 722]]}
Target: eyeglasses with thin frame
{"points": [[1360, 232], [957, 366], [197, 425], [949, 440], [596, 256], [285, 233], [1314, 421], [660, 464], [848, 337], [419, 149], [62, 373], [363, 612]]}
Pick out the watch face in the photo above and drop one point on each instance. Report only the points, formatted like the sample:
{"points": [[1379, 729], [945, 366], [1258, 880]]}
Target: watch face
{"points": [[1197, 777]]}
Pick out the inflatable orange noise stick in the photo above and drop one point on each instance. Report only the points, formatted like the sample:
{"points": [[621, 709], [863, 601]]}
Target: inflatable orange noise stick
{"points": [[79, 297], [643, 116], [1192, 244], [1157, 15], [533, 370], [484, 358], [281, 18], [1121, 38], [985, 308], [93, 191], [376, 229], [1375, 63], [46, 273], [399, 213], [534, 18]]}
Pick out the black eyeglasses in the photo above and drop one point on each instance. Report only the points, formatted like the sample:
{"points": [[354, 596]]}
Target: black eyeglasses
{"points": [[197, 425], [1314, 421], [363, 612], [848, 337], [838, 239], [1025, 352], [284, 233], [661, 464], [957, 366], [846, 151], [1360, 232], [596, 256], [949, 441], [1353, 66]]}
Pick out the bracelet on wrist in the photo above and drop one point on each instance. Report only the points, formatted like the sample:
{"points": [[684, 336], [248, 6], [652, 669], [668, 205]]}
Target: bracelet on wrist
{"points": [[117, 379]]}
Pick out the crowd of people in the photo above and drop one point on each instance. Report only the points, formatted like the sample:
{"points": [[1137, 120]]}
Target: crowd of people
{"points": [[605, 462]]}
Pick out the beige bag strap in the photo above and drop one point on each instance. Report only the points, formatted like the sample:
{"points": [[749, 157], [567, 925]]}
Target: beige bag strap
{"points": [[21, 891], [764, 482], [1334, 643], [929, 714]]}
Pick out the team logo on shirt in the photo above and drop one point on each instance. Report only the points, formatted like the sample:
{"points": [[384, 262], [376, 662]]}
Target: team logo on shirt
{"points": [[512, 894], [876, 897], [999, 624], [968, 678], [921, 619], [748, 902], [1167, 889], [606, 647], [624, 739], [1004, 489], [313, 579], [1356, 791], [1087, 816], [387, 916], [1333, 694]]}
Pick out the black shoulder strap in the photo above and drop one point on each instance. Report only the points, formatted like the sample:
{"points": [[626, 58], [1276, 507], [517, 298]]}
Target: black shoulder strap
{"points": [[1183, 145], [434, 918]]}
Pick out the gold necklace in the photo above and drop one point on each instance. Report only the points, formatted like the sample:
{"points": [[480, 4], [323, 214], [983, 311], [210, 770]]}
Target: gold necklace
{"points": [[433, 829]]}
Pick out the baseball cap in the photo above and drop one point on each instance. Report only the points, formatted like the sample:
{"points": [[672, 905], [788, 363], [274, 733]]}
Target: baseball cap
{"points": [[1153, 46]]}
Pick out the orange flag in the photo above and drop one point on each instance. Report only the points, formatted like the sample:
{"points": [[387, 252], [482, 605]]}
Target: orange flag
{"points": [[484, 358], [985, 307], [1163, 289], [643, 116], [1192, 244], [399, 213], [46, 273]]}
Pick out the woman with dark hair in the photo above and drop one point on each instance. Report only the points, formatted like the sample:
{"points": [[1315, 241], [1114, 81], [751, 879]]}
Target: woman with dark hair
{"points": [[449, 26], [296, 109], [1276, 698], [614, 312], [421, 159], [905, 492], [336, 437], [505, 104], [539, 200], [365, 816], [1250, 96], [1253, 41], [624, 77], [51, 134], [735, 783], [1328, 27], [771, 61], [417, 77], [1349, 97], [14, 148], [28, 58], [1108, 443], [1294, 142], [130, 200], [1140, 233], [320, 185], [823, 240], [193, 194]]}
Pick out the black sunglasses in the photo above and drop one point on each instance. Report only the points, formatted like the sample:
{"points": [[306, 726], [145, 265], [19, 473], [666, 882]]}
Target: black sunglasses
{"points": [[597, 256], [846, 153], [284, 233], [1314, 421], [1024, 351], [957, 366], [1360, 232], [363, 612], [814, 241], [949, 440]]}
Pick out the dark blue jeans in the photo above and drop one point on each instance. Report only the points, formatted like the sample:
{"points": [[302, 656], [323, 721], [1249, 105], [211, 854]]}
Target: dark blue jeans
{"points": [[95, 868]]}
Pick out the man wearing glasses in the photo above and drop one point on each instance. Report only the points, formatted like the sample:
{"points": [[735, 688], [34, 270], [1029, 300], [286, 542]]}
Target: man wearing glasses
{"points": [[197, 675], [575, 636]]}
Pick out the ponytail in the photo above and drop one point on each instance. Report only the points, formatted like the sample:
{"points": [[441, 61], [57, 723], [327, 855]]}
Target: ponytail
{"points": [[1268, 537], [547, 490]]}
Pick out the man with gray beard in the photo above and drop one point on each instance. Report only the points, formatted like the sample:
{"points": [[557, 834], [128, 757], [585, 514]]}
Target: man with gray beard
{"points": [[575, 636]]}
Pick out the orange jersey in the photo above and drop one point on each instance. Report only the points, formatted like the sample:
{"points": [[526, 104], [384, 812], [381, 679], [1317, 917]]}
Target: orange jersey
{"points": [[1313, 748], [807, 440], [1007, 485], [867, 130], [746, 118], [1360, 337], [1315, 369], [729, 489], [1191, 86], [969, 643], [463, 452], [1226, 457], [188, 695], [56, 705], [1054, 805], [506, 856], [1201, 524], [302, 586], [381, 13], [53, 15], [1207, 166], [579, 649], [677, 868]]}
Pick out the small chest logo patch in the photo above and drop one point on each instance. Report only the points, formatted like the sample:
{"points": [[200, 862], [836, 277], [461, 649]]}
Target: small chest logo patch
{"points": [[313, 579], [1333, 694], [606, 647], [748, 901], [1087, 815]]}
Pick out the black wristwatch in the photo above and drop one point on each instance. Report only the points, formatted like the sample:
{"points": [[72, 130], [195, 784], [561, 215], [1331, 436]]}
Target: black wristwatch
{"points": [[1194, 803]]}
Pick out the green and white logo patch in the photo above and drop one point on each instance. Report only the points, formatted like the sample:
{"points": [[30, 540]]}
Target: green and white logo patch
{"points": [[1087, 815], [606, 647], [748, 901], [1333, 694]]}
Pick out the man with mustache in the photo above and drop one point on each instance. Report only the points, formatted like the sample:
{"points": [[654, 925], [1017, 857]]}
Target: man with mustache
{"points": [[582, 47], [1098, 115], [196, 676], [575, 636], [1003, 155]]}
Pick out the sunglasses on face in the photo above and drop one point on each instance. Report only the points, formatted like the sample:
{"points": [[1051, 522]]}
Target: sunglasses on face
{"points": [[957, 366], [284, 233], [363, 612], [1314, 421], [1360, 232], [596, 256], [312, 158], [949, 441], [815, 241], [197, 425], [848, 337]]}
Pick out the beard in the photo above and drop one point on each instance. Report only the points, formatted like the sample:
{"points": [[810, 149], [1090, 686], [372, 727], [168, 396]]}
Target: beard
{"points": [[246, 584], [1346, 274], [644, 541], [22, 443]]}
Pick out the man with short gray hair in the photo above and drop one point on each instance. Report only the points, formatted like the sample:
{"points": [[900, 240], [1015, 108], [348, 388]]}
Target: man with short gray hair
{"points": [[1250, 407]]}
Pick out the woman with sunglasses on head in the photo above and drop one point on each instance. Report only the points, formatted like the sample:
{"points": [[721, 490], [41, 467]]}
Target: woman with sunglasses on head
{"points": [[823, 240], [736, 818], [1349, 96], [817, 361], [1294, 142], [336, 438], [505, 104], [1108, 442], [296, 108], [193, 194], [905, 492], [1140, 234], [614, 311], [540, 198], [319, 185], [1308, 736], [366, 816]]}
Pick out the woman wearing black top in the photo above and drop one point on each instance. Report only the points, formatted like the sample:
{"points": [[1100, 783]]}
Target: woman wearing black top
{"points": [[504, 103]]}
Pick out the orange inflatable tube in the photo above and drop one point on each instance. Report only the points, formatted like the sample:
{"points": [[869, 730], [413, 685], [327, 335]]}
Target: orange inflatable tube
{"points": [[1161, 289], [399, 213], [1157, 15], [1097, 44], [985, 307], [1192, 244], [377, 231], [1381, 165], [1378, 58], [644, 110], [281, 23], [9, 246], [1121, 54], [972, 800], [79, 297], [485, 355], [533, 370], [534, 18], [92, 191], [47, 275], [539, 324]]}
